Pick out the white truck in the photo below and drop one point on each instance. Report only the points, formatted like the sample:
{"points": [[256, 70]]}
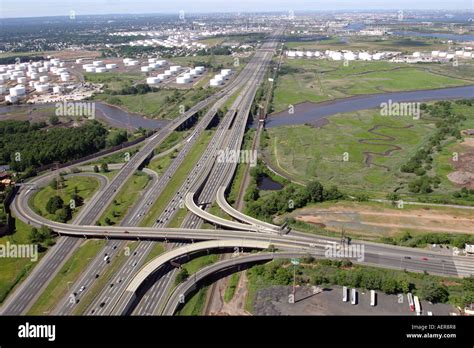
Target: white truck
{"points": [[345, 294], [417, 305], [373, 298], [354, 296]]}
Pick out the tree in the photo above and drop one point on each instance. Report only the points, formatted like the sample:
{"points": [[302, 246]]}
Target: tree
{"points": [[53, 120], [182, 275], [393, 197], [96, 169], [315, 191], [434, 293], [54, 204], [35, 236], [104, 167], [64, 214]]}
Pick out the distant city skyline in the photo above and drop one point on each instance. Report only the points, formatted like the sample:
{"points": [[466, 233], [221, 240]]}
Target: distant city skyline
{"points": [[31, 8]]}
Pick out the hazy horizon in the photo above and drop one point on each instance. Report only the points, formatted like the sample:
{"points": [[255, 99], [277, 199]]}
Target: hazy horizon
{"points": [[50, 8]]}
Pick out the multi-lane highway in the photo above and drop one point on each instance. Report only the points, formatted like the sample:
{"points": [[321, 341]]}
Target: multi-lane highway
{"points": [[205, 184], [101, 305]]}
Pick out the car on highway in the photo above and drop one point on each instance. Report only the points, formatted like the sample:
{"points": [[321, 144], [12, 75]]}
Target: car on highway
{"points": [[107, 258], [407, 257], [424, 258]]}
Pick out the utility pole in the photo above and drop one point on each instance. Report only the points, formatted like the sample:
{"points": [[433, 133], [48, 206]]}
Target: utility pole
{"points": [[295, 263], [59, 184]]}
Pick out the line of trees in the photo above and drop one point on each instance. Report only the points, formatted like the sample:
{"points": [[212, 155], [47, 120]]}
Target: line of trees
{"points": [[25, 146], [344, 273], [447, 122]]}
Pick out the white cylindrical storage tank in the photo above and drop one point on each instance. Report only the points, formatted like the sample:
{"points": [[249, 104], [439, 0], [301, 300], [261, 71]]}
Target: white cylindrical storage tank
{"points": [[175, 68], [111, 66], [132, 63], [467, 55], [161, 62], [42, 88], [85, 66], [79, 61], [65, 77], [151, 60], [21, 80], [309, 54], [215, 82], [200, 69], [57, 89], [101, 69], [98, 63], [168, 73], [225, 72], [182, 80], [145, 69], [152, 80], [349, 56], [43, 70], [161, 76], [18, 90], [11, 98], [442, 54], [3, 89], [219, 77], [90, 69], [43, 78]]}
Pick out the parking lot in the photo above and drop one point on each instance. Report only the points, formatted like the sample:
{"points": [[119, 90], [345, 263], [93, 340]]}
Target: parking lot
{"points": [[274, 301]]}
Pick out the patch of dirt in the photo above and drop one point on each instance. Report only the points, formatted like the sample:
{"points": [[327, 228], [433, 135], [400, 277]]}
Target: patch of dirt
{"points": [[236, 306], [464, 173], [364, 218]]}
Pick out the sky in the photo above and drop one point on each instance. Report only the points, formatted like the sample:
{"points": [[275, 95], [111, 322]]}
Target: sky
{"points": [[40, 8]]}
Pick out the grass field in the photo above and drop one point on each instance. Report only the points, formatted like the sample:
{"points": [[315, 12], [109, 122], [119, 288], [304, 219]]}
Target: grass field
{"points": [[398, 44], [232, 286], [125, 198], [14, 270], [86, 187], [200, 262], [305, 153], [114, 80], [59, 286], [149, 104], [320, 80], [195, 305], [157, 250]]}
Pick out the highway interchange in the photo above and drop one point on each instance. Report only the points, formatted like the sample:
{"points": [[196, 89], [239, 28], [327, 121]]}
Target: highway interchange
{"points": [[206, 183]]}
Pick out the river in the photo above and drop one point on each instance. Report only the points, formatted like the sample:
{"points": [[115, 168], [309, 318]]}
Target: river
{"points": [[312, 112], [112, 115]]}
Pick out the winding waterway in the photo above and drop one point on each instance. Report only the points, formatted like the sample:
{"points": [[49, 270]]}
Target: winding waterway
{"points": [[110, 114], [312, 112]]}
